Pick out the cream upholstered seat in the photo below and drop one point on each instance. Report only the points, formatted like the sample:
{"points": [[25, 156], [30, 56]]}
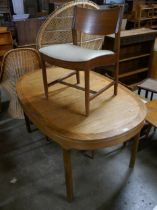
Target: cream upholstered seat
{"points": [[69, 52]]}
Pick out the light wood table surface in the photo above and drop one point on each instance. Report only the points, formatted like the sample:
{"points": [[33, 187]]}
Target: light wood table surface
{"points": [[112, 120], [152, 112]]}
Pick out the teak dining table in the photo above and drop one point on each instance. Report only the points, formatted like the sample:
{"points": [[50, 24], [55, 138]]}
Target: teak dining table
{"points": [[113, 119]]}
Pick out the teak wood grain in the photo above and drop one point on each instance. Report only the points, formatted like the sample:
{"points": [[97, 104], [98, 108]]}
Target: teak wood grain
{"points": [[62, 118], [113, 119]]}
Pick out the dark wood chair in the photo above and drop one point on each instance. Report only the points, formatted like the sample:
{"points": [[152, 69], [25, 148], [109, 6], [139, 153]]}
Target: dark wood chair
{"points": [[72, 56]]}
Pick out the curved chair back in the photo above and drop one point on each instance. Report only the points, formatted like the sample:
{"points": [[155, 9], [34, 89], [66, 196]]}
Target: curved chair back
{"points": [[15, 64], [102, 22], [57, 28]]}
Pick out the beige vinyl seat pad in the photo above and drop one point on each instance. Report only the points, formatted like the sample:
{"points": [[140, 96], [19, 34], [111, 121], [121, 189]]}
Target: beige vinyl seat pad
{"points": [[72, 53]]}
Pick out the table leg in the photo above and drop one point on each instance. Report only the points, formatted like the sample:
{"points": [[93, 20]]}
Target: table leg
{"points": [[68, 174], [134, 150]]}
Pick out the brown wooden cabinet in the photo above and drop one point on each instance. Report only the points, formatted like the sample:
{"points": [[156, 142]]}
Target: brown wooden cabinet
{"points": [[6, 43], [135, 54], [27, 30]]}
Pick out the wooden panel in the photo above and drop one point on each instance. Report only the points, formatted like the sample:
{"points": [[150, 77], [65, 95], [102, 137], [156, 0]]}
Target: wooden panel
{"points": [[6, 43], [133, 50], [3, 29], [4, 49], [27, 30], [5, 38], [153, 71]]}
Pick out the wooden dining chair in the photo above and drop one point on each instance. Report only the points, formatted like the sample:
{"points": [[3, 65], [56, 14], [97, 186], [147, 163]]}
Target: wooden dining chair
{"points": [[77, 58], [16, 63]]}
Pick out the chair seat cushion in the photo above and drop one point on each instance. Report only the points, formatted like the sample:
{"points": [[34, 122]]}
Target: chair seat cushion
{"points": [[149, 84], [73, 53]]}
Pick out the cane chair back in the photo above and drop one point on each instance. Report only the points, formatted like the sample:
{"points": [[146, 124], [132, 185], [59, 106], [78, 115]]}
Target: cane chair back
{"points": [[15, 64], [57, 29]]}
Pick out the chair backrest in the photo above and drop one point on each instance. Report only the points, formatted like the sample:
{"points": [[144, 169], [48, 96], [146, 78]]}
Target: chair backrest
{"points": [[19, 61], [57, 28], [97, 22], [15, 64]]}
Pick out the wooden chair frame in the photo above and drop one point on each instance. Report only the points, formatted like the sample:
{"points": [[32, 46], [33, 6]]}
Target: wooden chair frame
{"points": [[79, 14]]}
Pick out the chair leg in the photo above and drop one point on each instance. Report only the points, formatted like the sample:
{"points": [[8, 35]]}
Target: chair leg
{"points": [[87, 92], [139, 90], [151, 98], [78, 77], [146, 94], [44, 78], [116, 78]]}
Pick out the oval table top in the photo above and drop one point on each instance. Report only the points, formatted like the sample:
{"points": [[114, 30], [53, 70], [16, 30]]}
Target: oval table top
{"points": [[112, 119]]}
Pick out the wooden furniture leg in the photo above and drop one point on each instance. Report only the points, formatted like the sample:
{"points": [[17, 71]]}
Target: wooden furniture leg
{"points": [[116, 79], [134, 150], [139, 91], [68, 174], [146, 94], [87, 92], [78, 77], [151, 97]]}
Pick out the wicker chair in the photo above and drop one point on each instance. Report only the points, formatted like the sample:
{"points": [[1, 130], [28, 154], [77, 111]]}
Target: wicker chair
{"points": [[57, 28], [16, 63]]}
